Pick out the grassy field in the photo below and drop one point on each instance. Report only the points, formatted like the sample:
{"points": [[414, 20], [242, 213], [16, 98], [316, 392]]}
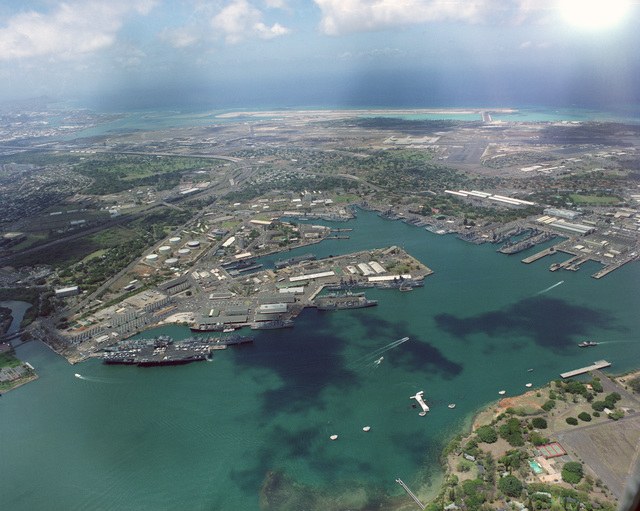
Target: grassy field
{"points": [[593, 200], [8, 359]]}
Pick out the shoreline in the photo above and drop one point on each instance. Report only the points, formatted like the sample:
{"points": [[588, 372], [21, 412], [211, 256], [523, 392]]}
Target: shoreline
{"points": [[492, 412], [337, 113]]}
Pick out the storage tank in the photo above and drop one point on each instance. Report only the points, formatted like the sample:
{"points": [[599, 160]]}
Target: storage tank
{"points": [[194, 244], [175, 240], [184, 251], [152, 257], [164, 250], [171, 261]]}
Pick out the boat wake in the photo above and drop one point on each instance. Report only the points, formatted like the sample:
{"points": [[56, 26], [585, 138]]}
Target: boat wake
{"points": [[94, 379], [550, 288], [374, 358]]}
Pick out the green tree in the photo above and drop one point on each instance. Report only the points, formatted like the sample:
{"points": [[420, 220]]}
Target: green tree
{"points": [[572, 472], [634, 384], [510, 485], [549, 405], [539, 423], [487, 434], [572, 420], [511, 432], [613, 396], [584, 416]]}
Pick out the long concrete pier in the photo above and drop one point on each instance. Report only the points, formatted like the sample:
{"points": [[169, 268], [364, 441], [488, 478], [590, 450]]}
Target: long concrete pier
{"points": [[610, 267], [539, 255], [600, 364], [399, 481]]}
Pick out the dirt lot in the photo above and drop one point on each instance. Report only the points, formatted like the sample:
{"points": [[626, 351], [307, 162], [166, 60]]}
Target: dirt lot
{"points": [[609, 450]]}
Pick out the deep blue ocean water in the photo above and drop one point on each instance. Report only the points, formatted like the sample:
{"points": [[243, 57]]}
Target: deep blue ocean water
{"points": [[205, 435]]}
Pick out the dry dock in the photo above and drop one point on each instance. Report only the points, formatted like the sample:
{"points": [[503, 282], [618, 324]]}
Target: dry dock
{"points": [[600, 364]]}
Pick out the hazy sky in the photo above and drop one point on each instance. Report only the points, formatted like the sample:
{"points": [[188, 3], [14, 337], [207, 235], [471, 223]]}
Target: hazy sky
{"points": [[378, 52]]}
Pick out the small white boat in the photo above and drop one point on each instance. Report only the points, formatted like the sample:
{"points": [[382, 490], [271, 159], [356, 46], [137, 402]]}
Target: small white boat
{"points": [[502, 392], [78, 375], [452, 405], [333, 437], [529, 385], [366, 428]]}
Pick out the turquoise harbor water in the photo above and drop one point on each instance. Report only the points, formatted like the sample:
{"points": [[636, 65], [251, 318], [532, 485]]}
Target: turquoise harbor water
{"points": [[172, 118], [203, 436]]}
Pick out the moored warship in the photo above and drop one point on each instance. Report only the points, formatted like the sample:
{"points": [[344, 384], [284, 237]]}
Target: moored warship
{"points": [[162, 350]]}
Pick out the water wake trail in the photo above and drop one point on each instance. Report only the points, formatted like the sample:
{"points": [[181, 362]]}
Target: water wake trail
{"points": [[375, 357], [95, 379], [550, 287]]}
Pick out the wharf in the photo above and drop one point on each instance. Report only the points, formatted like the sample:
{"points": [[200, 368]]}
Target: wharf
{"points": [[539, 255], [573, 261], [610, 267], [600, 364]]}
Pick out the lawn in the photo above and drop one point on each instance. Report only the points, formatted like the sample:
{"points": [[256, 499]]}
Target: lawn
{"points": [[593, 199]]}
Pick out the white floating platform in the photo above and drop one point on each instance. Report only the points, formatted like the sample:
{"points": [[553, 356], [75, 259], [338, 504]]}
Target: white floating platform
{"points": [[420, 400]]}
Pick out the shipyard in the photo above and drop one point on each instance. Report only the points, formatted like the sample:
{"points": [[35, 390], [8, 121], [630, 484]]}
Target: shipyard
{"points": [[325, 237]]}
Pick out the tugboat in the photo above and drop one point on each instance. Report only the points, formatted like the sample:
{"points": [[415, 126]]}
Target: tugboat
{"points": [[587, 344]]}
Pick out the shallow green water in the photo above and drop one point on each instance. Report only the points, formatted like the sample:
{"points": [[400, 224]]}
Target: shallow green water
{"points": [[203, 436]]}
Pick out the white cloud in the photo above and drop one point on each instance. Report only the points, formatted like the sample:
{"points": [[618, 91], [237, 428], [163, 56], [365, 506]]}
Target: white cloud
{"points": [[240, 20], [528, 45], [374, 54], [348, 16], [277, 4], [73, 29], [181, 37]]}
